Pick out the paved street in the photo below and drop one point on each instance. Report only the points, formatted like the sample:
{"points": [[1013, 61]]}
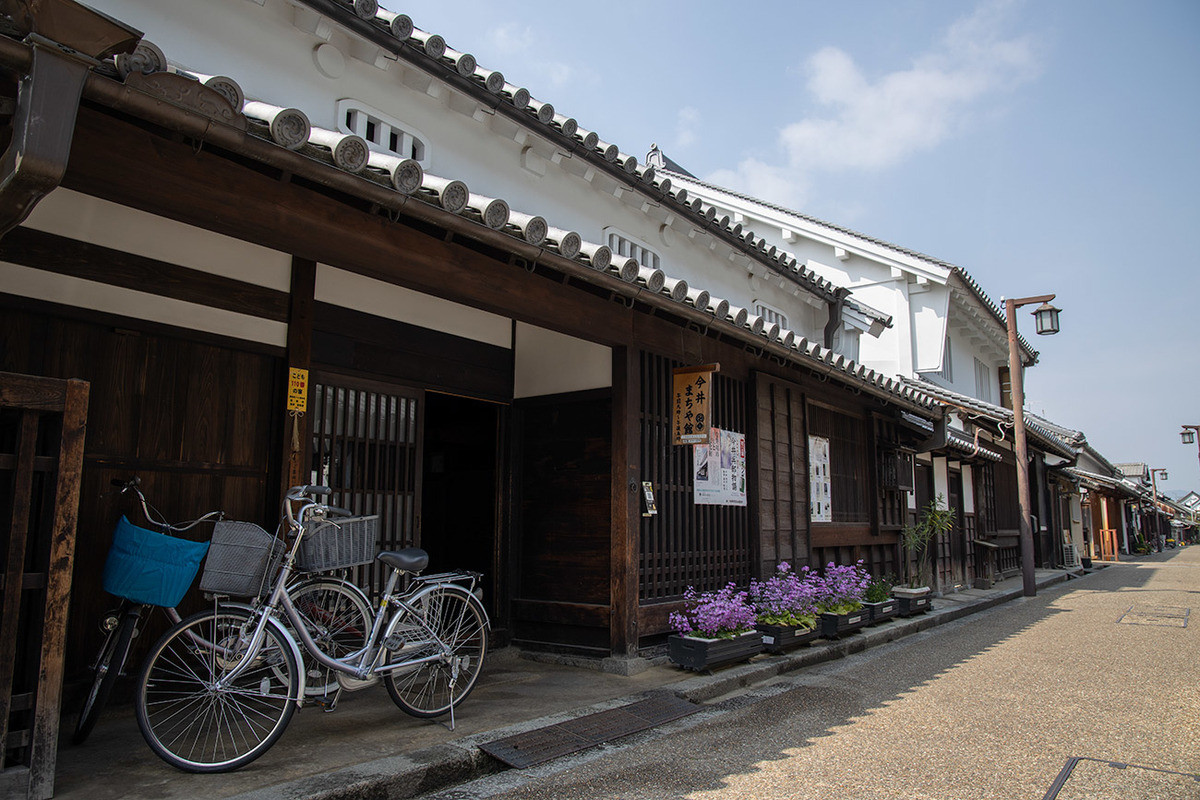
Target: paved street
{"points": [[1104, 669]]}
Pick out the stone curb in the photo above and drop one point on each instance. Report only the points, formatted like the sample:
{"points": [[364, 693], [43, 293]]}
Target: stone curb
{"points": [[446, 765]]}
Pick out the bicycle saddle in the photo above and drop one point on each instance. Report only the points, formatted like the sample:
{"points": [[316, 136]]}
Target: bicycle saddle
{"points": [[410, 559]]}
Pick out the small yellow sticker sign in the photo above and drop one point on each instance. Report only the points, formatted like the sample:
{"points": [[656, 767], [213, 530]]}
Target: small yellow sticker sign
{"points": [[297, 396]]}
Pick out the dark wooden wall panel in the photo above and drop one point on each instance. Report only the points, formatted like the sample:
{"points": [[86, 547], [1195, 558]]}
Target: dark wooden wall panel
{"points": [[195, 421], [563, 524], [782, 474], [371, 346]]}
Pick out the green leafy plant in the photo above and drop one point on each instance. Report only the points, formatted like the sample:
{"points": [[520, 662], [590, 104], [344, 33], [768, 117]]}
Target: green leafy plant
{"points": [[879, 590], [933, 520]]}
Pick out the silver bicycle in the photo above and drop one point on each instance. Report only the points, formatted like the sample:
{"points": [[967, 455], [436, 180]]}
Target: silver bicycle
{"points": [[219, 688]]}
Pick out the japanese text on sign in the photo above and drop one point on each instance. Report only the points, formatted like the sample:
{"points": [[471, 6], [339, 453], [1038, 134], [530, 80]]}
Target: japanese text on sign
{"points": [[691, 403], [297, 396], [719, 470]]}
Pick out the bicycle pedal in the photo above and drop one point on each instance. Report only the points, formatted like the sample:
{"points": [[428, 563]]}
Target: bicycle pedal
{"points": [[328, 703], [352, 684]]}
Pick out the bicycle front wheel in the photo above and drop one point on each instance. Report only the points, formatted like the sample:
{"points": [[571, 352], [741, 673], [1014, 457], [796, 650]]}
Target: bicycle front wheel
{"points": [[337, 616], [108, 667], [459, 633], [196, 725]]}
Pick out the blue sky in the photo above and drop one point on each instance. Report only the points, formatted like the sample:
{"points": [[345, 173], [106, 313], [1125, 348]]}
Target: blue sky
{"points": [[1044, 146]]}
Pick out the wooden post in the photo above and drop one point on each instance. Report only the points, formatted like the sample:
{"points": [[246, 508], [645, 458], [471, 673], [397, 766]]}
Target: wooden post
{"points": [[299, 355], [58, 590], [626, 503]]}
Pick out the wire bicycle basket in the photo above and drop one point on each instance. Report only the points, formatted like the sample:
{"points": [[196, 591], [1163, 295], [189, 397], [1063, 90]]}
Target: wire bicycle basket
{"points": [[241, 557], [330, 544]]}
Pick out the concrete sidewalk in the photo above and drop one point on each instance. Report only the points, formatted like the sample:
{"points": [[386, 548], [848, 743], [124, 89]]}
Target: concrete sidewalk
{"points": [[369, 748]]}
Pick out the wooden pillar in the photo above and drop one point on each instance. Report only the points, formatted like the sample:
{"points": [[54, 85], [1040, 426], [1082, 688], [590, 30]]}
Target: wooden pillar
{"points": [[626, 502], [298, 431]]}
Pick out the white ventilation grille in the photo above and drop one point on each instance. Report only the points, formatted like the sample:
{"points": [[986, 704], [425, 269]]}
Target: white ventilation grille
{"points": [[382, 133]]}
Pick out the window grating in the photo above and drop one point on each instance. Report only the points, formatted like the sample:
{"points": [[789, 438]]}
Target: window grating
{"points": [[623, 246], [383, 134], [686, 544]]}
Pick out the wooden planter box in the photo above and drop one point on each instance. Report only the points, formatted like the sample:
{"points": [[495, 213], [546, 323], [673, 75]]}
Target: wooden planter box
{"points": [[834, 625], [912, 601], [777, 638], [701, 654], [883, 611]]}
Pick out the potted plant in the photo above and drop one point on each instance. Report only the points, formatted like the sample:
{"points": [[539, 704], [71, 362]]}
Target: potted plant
{"points": [[934, 520], [840, 602], [877, 599], [786, 607], [714, 628]]}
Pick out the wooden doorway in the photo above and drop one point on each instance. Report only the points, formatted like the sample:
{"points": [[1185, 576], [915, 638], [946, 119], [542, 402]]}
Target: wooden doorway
{"points": [[460, 496]]}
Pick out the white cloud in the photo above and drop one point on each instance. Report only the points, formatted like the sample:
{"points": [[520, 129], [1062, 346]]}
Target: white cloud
{"points": [[873, 123], [687, 124], [512, 38]]}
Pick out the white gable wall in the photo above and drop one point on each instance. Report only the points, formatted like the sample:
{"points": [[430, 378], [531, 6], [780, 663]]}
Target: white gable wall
{"points": [[272, 59]]}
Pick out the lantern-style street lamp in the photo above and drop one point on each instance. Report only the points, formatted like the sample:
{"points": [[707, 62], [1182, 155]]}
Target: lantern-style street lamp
{"points": [[1047, 323], [1047, 319], [1188, 435]]}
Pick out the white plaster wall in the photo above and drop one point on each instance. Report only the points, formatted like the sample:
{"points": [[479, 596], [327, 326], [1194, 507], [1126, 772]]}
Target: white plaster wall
{"points": [[261, 48], [88, 219], [553, 363], [350, 290], [968, 478], [941, 479], [71, 291]]}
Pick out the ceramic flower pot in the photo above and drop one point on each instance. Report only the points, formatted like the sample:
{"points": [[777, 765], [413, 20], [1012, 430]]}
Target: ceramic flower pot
{"points": [[691, 652], [778, 638]]}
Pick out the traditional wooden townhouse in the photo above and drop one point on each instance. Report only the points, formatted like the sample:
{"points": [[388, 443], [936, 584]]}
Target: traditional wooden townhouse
{"points": [[1151, 518], [930, 323], [1100, 504], [308, 241]]}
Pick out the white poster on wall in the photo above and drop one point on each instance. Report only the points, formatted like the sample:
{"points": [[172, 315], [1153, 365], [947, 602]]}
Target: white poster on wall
{"points": [[820, 493], [719, 469]]}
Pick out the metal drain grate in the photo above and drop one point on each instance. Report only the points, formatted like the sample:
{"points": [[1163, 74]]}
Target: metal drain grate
{"points": [[1084, 778], [544, 744], [1162, 616]]}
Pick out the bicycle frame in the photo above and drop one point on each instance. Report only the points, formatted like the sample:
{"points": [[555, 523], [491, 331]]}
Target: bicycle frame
{"points": [[361, 663]]}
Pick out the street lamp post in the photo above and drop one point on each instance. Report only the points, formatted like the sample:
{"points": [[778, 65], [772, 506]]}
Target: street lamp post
{"points": [[1047, 323], [1154, 488]]}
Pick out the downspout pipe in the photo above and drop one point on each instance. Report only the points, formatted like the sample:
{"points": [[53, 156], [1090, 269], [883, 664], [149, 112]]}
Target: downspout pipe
{"points": [[47, 101], [835, 315], [63, 41]]}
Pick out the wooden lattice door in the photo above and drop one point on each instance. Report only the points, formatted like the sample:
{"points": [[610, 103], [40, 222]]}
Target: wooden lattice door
{"points": [[367, 449]]}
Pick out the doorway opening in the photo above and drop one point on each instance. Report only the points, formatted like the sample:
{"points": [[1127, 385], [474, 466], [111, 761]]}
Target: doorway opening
{"points": [[460, 497]]}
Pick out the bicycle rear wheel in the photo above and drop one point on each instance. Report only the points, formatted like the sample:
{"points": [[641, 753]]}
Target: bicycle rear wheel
{"points": [[457, 621], [195, 726], [108, 667], [337, 616]]}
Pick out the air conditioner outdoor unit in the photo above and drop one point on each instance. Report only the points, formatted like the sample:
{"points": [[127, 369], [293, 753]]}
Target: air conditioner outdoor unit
{"points": [[1070, 557]]}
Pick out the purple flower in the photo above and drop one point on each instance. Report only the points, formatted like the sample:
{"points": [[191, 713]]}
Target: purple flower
{"points": [[715, 615]]}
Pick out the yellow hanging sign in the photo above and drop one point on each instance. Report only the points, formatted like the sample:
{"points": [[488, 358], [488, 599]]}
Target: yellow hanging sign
{"points": [[297, 396], [691, 402]]}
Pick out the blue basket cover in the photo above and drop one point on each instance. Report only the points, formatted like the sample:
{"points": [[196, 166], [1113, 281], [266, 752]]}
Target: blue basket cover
{"points": [[149, 567]]}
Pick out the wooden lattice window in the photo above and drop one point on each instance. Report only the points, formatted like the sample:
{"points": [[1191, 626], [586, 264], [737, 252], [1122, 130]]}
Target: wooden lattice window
{"points": [[686, 544], [848, 462]]}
